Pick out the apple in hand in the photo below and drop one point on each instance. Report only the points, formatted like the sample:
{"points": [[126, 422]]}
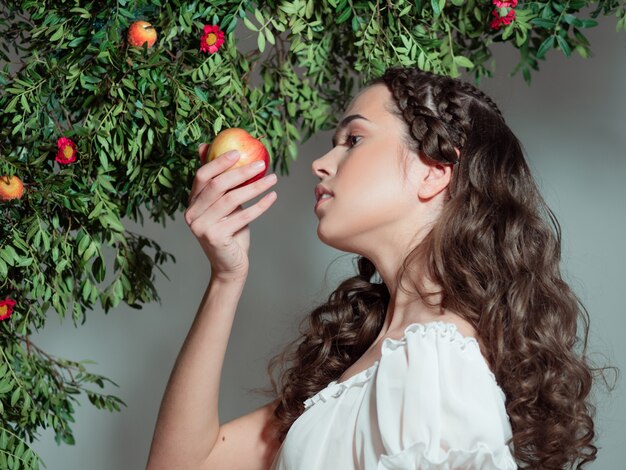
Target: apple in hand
{"points": [[141, 32], [250, 150]]}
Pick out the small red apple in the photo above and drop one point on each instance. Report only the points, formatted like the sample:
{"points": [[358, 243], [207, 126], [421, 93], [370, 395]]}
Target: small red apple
{"points": [[141, 32], [10, 188], [251, 150]]}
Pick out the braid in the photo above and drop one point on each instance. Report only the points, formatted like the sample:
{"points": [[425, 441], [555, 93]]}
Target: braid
{"points": [[471, 90], [434, 108]]}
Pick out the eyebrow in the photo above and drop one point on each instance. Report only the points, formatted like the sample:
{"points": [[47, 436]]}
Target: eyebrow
{"points": [[345, 121]]}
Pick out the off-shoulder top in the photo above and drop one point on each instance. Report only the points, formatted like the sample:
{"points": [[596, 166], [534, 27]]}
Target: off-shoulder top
{"points": [[429, 402]]}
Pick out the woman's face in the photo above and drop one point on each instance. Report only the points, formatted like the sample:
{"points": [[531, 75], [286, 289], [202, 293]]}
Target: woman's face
{"points": [[376, 207]]}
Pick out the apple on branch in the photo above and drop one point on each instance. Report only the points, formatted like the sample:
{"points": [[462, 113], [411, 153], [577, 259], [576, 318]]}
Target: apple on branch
{"points": [[141, 32], [11, 187], [250, 150]]}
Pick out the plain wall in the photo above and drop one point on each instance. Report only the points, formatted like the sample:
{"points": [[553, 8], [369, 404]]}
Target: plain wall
{"points": [[572, 123]]}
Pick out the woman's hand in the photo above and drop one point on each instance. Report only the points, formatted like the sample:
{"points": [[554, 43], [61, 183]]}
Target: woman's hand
{"points": [[216, 217]]}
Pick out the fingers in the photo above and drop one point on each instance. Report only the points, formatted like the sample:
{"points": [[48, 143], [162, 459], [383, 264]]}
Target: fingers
{"points": [[239, 208], [210, 170], [217, 202], [235, 220]]}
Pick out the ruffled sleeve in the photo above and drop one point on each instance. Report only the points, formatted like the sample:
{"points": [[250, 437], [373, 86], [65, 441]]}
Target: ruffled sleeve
{"points": [[438, 404]]}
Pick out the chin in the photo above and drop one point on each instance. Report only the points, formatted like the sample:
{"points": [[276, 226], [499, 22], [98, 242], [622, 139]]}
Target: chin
{"points": [[322, 234], [338, 241]]}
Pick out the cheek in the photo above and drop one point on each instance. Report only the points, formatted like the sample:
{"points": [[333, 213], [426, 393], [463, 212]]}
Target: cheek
{"points": [[376, 206], [357, 223], [370, 204], [373, 184], [371, 194]]}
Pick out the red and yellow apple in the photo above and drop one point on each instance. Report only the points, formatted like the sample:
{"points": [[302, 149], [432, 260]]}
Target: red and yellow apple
{"points": [[250, 150], [141, 32], [11, 187]]}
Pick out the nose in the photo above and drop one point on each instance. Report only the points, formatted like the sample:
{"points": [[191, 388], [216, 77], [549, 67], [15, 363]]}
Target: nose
{"points": [[321, 167]]}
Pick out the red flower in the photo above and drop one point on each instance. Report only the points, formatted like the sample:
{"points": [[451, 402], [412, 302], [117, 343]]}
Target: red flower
{"points": [[505, 3], [6, 308], [499, 21], [67, 151], [212, 39]]}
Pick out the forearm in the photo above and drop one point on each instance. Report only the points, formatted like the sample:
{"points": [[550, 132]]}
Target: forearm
{"points": [[188, 423]]}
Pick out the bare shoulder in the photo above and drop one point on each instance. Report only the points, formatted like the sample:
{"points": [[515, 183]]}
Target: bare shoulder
{"points": [[248, 442]]}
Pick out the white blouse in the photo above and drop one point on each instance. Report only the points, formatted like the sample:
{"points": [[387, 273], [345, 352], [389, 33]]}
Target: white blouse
{"points": [[429, 402]]}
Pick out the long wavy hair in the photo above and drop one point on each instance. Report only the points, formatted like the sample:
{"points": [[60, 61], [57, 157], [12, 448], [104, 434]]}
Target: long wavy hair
{"points": [[496, 259]]}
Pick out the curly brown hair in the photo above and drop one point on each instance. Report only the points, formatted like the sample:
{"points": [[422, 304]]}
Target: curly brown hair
{"points": [[496, 259]]}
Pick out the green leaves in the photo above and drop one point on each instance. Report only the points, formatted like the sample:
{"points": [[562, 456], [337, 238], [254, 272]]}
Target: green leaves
{"points": [[547, 44], [9, 255], [265, 33], [563, 44], [463, 62], [261, 42], [549, 25], [15, 453], [437, 6], [58, 34]]}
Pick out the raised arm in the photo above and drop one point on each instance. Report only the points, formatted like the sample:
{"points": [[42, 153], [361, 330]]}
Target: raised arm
{"points": [[188, 426], [188, 434]]}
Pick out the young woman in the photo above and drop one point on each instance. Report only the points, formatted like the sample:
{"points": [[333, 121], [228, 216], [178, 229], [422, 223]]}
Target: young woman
{"points": [[462, 356]]}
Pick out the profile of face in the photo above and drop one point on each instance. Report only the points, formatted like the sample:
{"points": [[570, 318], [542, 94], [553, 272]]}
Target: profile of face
{"points": [[385, 195]]}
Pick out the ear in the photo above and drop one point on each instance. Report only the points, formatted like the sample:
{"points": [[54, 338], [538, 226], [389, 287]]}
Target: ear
{"points": [[435, 179]]}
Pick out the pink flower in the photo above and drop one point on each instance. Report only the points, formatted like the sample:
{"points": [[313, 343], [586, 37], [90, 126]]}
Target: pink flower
{"points": [[67, 151], [212, 39], [505, 3], [6, 308], [499, 21]]}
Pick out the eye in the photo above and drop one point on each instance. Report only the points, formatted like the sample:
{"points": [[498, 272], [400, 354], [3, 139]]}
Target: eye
{"points": [[351, 140]]}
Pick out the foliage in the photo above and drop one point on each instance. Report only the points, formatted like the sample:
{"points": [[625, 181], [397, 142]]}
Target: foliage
{"points": [[137, 115]]}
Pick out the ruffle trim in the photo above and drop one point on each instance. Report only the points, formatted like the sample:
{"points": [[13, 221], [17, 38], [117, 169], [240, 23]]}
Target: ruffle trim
{"points": [[334, 389], [440, 328], [443, 330], [480, 457]]}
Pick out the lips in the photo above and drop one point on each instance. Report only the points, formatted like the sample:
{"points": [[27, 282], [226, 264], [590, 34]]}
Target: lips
{"points": [[320, 189], [321, 201]]}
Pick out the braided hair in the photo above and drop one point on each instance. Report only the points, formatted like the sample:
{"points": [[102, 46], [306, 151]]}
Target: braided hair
{"points": [[432, 106]]}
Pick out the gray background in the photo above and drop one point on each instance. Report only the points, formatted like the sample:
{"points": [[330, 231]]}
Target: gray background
{"points": [[572, 123]]}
